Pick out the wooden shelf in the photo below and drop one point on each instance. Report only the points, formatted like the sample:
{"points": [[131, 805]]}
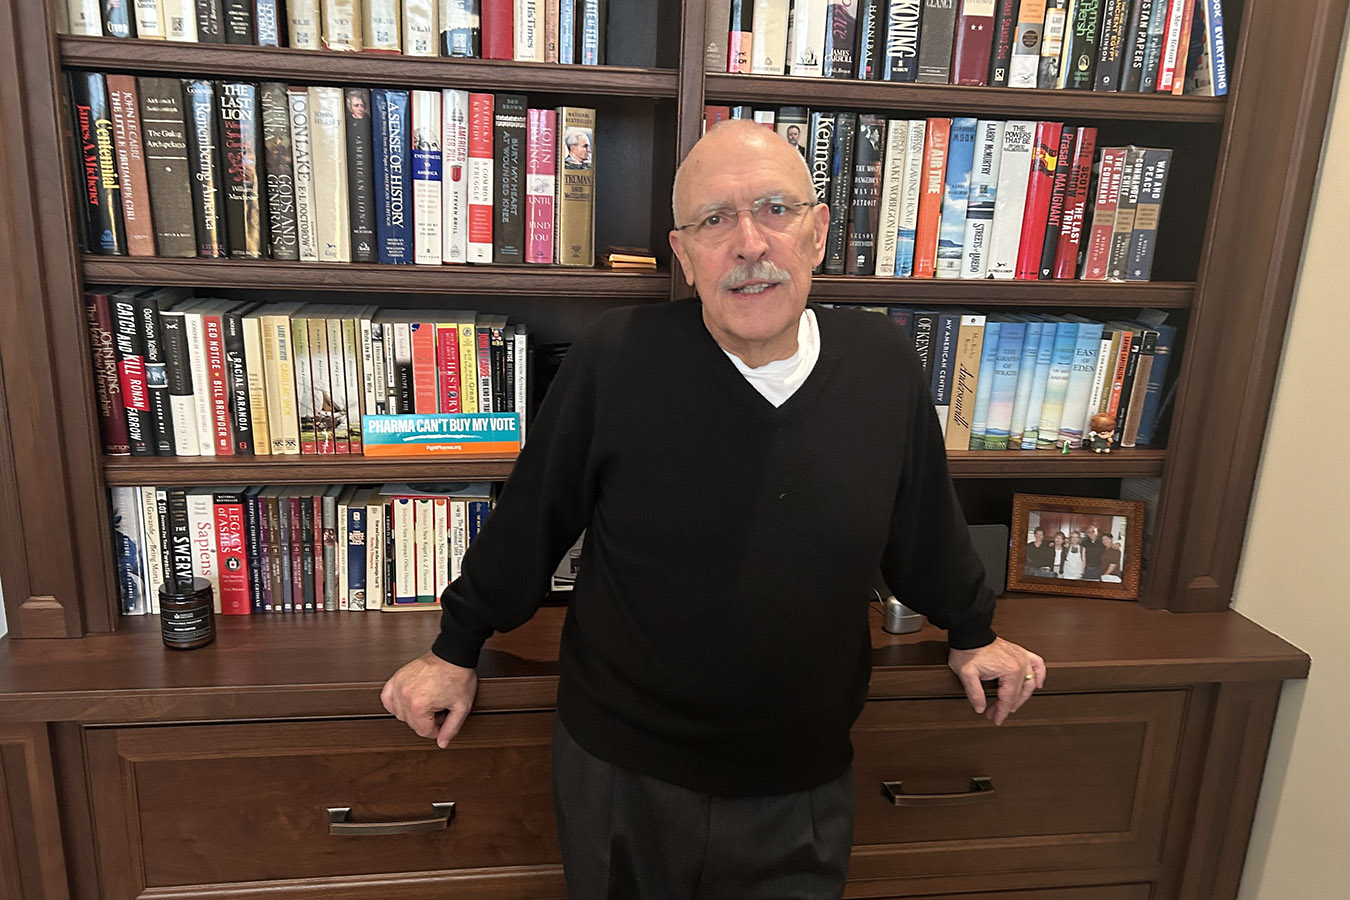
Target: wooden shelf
{"points": [[539, 281], [872, 289], [1003, 103], [326, 67], [165, 471]]}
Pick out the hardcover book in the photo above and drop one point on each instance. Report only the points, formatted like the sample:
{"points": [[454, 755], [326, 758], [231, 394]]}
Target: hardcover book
{"points": [[390, 130], [910, 193], [840, 39], [806, 37], [304, 24], [1098, 252], [461, 33], [1077, 70], [936, 39], [1040, 188], [241, 151], [481, 180], [203, 149], [955, 197], [107, 381], [454, 177], [769, 37], [841, 191], [1019, 139], [1005, 26], [1154, 167], [101, 185], [1026, 52], [930, 197], [541, 184], [126, 118], [210, 22], [899, 54], [421, 27], [302, 155], [1112, 48], [861, 246], [282, 236], [341, 25], [982, 198], [1059, 196], [974, 42], [381, 30], [360, 174], [426, 177], [328, 138], [1052, 42], [1075, 203], [509, 134], [576, 186], [238, 24]]}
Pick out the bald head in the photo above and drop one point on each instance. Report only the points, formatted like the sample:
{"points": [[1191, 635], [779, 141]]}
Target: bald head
{"points": [[735, 139]]}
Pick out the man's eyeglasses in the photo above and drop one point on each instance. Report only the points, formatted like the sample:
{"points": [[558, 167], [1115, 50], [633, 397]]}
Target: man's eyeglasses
{"points": [[773, 214]]}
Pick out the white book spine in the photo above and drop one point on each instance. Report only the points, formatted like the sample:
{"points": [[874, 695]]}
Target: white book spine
{"points": [[1171, 43], [910, 192], [983, 196], [426, 177], [458, 538], [440, 539], [374, 555], [257, 386], [184, 407], [202, 531], [201, 381], [424, 539], [302, 163], [454, 180], [337, 378], [1104, 363], [405, 554], [769, 35], [149, 20], [522, 340], [85, 17], [1019, 137], [369, 371], [351, 360], [807, 48], [153, 545], [1024, 64], [892, 187], [380, 25], [402, 359], [341, 25], [421, 28], [180, 20], [129, 539], [303, 18], [328, 141], [528, 16]]}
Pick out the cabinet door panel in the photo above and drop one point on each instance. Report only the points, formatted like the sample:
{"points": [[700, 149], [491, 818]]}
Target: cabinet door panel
{"points": [[1103, 892], [207, 804], [1077, 781]]}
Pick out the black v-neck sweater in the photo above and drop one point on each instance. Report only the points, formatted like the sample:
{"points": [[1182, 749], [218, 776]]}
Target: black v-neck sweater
{"points": [[718, 633]]}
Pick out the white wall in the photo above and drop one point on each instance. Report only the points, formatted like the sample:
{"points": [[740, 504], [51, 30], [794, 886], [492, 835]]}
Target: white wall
{"points": [[1295, 567]]}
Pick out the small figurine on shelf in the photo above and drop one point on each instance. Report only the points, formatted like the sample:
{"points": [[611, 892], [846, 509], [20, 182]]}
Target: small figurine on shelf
{"points": [[1103, 427]]}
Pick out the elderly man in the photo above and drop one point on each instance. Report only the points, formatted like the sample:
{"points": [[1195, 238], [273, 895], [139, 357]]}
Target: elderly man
{"points": [[744, 465]]}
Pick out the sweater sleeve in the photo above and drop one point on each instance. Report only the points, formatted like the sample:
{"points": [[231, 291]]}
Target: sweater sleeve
{"points": [[929, 561], [543, 507]]}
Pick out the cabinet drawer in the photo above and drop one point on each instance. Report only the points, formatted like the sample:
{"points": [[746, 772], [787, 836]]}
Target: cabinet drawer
{"points": [[207, 804], [1075, 781], [1104, 892]]}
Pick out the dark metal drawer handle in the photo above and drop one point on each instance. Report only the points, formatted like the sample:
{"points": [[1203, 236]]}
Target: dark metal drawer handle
{"points": [[338, 824], [981, 788]]}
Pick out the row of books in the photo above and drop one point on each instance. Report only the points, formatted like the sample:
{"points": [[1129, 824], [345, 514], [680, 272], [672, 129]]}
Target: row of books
{"points": [[302, 548], [1028, 381], [1148, 46], [976, 198], [556, 31], [197, 168], [181, 376]]}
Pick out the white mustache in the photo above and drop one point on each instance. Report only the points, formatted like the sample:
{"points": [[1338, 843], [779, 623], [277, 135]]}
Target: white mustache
{"points": [[760, 270]]}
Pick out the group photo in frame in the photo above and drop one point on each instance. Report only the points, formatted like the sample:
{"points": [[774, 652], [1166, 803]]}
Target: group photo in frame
{"points": [[1085, 546]]}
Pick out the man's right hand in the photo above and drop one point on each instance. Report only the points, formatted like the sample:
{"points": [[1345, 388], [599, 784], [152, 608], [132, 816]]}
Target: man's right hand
{"points": [[432, 696]]}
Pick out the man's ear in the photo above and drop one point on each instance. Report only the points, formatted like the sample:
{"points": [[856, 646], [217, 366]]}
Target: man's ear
{"points": [[682, 254], [820, 220]]}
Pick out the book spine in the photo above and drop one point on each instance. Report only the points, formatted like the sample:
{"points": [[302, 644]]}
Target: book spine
{"points": [[202, 527], [130, 350], [1155, 33], [1075, 203], [320, 385], [1112, 49], [955, 198], [860, 253], [943, 357], [541, 184], [254, 554], [841, 191], [341, 25], [528, 21], [1040, 188], [483, 358], [1147, 213], [425, 392], [1129, 432], [210, 22], [169, 185], [447, 369], [218, 383], [1157, 377], [1026, 370], [899, 55], [740, 36], [910, 195], [304, 25], [1123, 224], [983, 196], [1005, 26], [282, 236], [107, 379], [1216, 52], [1003, 378], [237, 22], [892, 187], [769, 37], [1019, 143], [327, 124], [1058, 198], [102, 186], [405, 559], [461, 34], [136, 214], [241, 154], [1026, 51], [393, 237], [468, 366], [1080, 50], [380, 26], [156, 374], [1052, 42], [279, 379], [481, 180], [84, 17], [1084, 369], [351, 380], [1104, 214], [1044, 357], [203, 423], [1136, 40], [311, 555], [965, 374], [806, 38], [1168, 45], [521, 339], [203, 144], [360, 174], [840, 39], [231, 558], [257, 386], [236, 370], [117, 19], [499, 35], [304, 387], [268, 23], [177, 536], [509, 133], [869, 12], [936, 41], [154, 546], [820, 153], [404, 377], [426, 177], [576, 187], [454, 176], [127, 551], [930, 197], [1122, 401], [591, 32], [974, 42]]}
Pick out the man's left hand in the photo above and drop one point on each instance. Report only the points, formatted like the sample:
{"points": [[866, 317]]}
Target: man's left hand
{"points": [[1018, 671]]}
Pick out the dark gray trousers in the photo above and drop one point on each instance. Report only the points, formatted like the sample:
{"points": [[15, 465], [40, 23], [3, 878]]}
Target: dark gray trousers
{"points": [[626, 836]]}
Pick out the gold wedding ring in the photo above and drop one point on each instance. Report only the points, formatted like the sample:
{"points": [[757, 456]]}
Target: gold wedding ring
{"points": [[1028, 676]]}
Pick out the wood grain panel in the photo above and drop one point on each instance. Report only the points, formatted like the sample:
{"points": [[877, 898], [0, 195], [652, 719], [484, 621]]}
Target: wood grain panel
{"points": [[1100, 892], [32, 859]]}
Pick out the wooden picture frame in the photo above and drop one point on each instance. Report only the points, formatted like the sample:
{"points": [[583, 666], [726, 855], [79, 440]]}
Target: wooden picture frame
{"points": [[1071, 527]]}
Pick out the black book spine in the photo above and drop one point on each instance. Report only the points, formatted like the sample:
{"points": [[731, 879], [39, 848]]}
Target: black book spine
{"points": [[177, 365], [1136, 40], [509, 366], [461, 35], [210, 22], [1127, 387], [276, 129], [924, 323], [74, 158], [166, 555], [360, 175], [307, 549], [508, 139], [841, 36], [841, 190], [168, 172], [899, 43], [866, 51], [207, 198], [117, 19], [403, 386], [242, 174], [1155, 35], [156, 373], [268, 23], [131, 370], [254, 551], [179, 538], [935, 42], [101, 187], [1112, 48], [1005, 26], [236, 382], [1080, 52], [497, 351], [1063, 167], [238, 23], [868, 159]]}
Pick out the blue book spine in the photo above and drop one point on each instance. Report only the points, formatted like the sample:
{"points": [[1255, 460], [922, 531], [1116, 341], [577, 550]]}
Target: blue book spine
{"points": [[257, 578], [1157, 376], [393, 212], [955, 195], [567, 32], [1086, 350], [1057, 385], [269, 30], [1012, 338], [984, 387], [478, 513], [356, 556], [592, 41], [1026, 371], [1218, 57], [1044, 355]]}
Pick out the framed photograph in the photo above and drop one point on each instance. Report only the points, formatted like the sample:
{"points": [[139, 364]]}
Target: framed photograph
{"points": [[1076, 545]]}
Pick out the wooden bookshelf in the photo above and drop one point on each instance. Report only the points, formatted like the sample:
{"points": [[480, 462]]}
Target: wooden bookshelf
{"points": [[1084, 294]]}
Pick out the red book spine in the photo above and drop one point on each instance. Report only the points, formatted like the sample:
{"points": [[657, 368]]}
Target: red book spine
{"points": [[447, 368], [740, 36], [480, 162], [218, 383], [935, 141], [1058, 198], [1172, 41], [424, 367], [484, 360], [1040, 191], [1075, 204], [713, 114], [974, 42], [1104, 214], [112, 422], [231, 555], [125, 107], [1183, 48], [540, 185], [498, 37]]}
